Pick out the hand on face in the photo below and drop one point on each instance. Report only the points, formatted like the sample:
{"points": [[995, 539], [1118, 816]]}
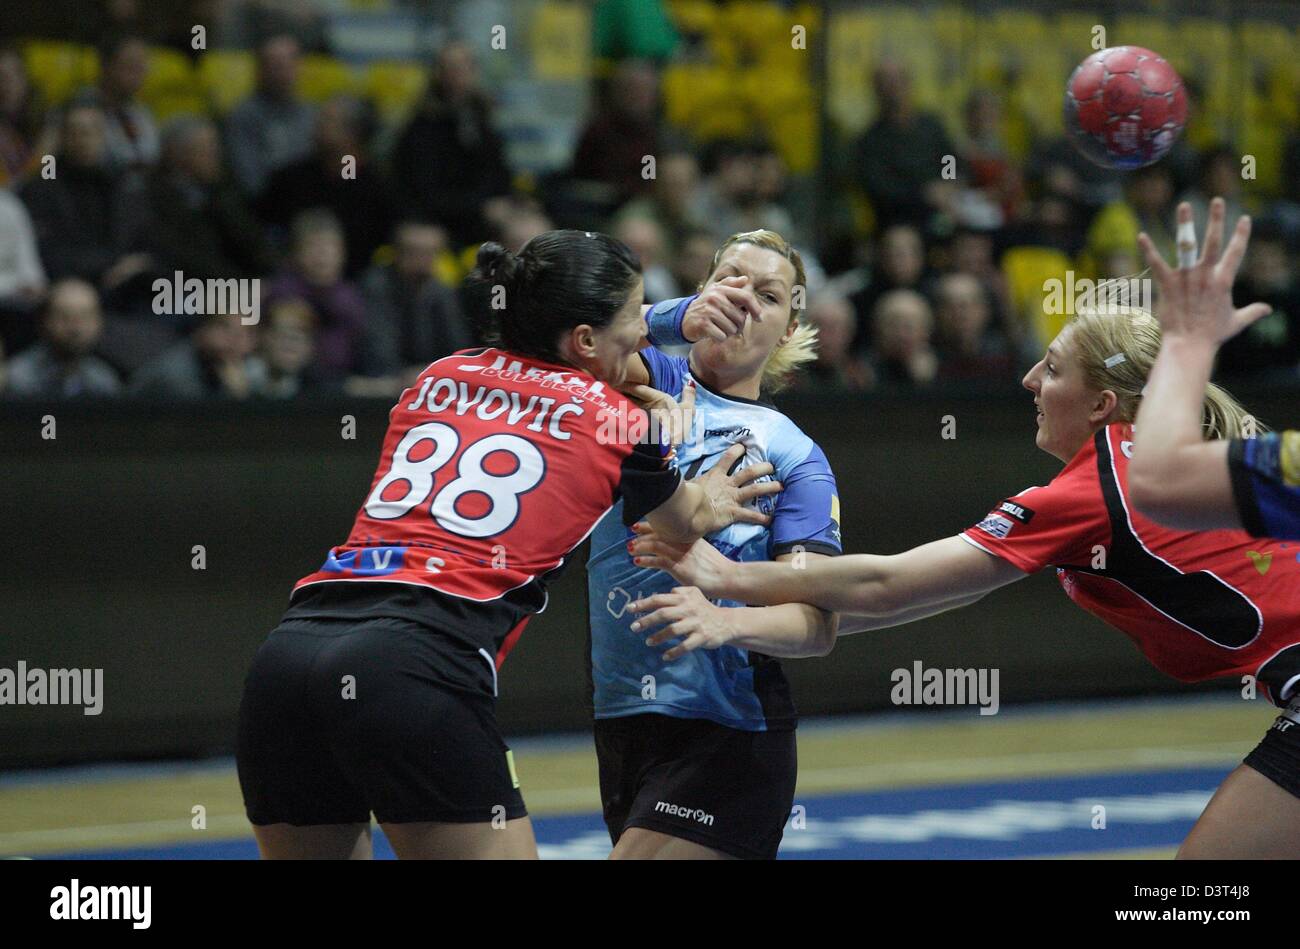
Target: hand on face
{"points": [[721, 309]]}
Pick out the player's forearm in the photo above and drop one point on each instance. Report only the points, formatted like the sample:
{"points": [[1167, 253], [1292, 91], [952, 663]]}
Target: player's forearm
{"points": [[788, 631], [851, 623], [1169, 417], [1172, 467], [685, 517], [855, 583]]}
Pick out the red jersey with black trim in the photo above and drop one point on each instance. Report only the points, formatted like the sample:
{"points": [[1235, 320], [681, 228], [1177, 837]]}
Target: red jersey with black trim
{"points": [[493, 469], [1198, 604]]}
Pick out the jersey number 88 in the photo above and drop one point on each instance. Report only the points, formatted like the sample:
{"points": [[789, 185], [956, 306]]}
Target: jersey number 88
{"points": [[502, 491]]}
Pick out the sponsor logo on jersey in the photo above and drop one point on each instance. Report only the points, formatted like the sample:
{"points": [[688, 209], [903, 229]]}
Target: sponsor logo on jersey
{"points": [[1021, 513], [371, 562], [739, 431], [995, 524], [689, 813]]}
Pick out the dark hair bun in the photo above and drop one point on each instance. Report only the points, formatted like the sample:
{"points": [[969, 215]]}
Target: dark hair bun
{"points": [[496, 264]]}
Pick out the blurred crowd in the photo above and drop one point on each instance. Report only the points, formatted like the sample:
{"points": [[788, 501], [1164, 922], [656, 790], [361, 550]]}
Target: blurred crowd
{"points": [[359, 234]]}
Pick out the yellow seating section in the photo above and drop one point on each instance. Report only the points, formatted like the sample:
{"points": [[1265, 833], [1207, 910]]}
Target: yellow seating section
{"points": [[748, 66]]}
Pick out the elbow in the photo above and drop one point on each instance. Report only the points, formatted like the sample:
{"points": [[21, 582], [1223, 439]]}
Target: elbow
{"points": [[827, 633], [1153, 493]]}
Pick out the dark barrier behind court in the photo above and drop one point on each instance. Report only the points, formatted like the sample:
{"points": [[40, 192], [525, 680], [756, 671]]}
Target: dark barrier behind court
{"points": [[100, 525]]}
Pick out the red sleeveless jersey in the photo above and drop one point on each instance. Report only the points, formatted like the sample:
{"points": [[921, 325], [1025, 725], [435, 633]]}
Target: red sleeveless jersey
{"points": [[1198, 604], [494, 468]]}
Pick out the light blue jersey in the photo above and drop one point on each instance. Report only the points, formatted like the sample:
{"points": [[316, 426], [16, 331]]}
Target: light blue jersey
{"points": [[730, 686]]}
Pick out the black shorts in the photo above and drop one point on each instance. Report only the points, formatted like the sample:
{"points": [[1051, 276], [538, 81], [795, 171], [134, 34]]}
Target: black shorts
{"points": [[1277, 757], [343, 717], [691, 778]]}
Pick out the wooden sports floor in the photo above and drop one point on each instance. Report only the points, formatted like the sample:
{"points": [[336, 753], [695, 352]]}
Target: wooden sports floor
{"points": [[1104, 779]]}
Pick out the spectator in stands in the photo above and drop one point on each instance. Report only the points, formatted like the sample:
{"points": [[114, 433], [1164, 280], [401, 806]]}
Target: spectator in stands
{"points": [[674, 201], [991, 189], [22, 278], [646, 239], [242, 24], [732, 200], [613, 146], [201, 223], [412, 318], [1270, 346], [449, 161], [87, 216], [899, 160], [691, 262], [837, 366], [970, 350], [1218, 173], [272, 128], [63, 365], [339, 177], [972, 251], [285, 350], [1147, 206], [20, 118], [1052, 220], [514, 221], [903, 355], [215, 362], [131, 136], [899, 265], [316, 274], [1056, 167]]}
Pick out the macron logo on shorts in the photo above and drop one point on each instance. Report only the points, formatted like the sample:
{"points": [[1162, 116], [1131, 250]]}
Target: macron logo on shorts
{"points": [[690, 813]]}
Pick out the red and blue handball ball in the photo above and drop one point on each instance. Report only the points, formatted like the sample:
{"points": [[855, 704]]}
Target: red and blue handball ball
{"points": [[1125, 106]]}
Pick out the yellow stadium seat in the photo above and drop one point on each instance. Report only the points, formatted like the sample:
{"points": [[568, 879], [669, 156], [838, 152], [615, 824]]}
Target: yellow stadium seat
{"points": [[323, 77], [793, 134], [693, 16], [851, 39], [561, 41], [1075, 31], [1140, 29], [58, 70], [1283, 84], [1028, 270], [227, 77], [395, 87], [171, 86], [1021, 28], [953, 29], [1264, 138], [1269, 42]]}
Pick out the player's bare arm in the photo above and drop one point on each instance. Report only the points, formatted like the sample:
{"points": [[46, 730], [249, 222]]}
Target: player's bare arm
{"points": [[1177, 477], [862, 584], [787, 631]]}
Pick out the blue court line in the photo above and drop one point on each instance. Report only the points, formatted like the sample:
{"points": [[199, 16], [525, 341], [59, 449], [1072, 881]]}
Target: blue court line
{"points": [[1038, 817]]}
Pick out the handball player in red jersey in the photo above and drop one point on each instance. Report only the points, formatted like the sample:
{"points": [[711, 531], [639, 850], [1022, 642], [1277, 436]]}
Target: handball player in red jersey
{"points": [[377, 691], [1194, 603]]}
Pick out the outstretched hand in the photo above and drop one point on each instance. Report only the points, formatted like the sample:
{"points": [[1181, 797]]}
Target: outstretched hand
{"points": [[1195, 299]]}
